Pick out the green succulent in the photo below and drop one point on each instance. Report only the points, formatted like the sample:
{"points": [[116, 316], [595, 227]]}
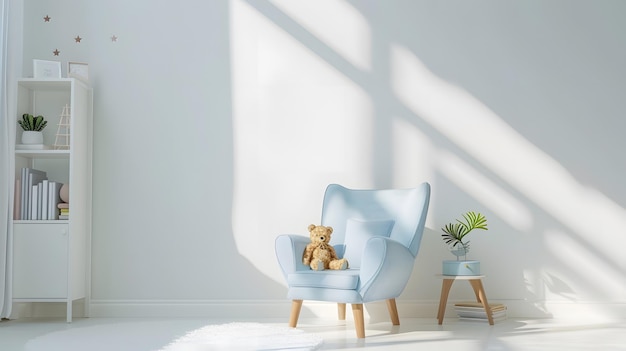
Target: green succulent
{"points": [[31, 123], [456, 232]]}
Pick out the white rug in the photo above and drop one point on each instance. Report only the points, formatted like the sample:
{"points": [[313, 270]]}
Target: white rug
{"points": [[245, 336], [177, 334]]}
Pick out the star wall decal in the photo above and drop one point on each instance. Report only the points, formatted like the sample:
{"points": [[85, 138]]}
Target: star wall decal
{"points": [[114, 38], [56, 52], [46, 19], [78, 39]]}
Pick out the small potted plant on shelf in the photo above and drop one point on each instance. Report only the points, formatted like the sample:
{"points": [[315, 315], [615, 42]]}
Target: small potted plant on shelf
{"points": [[33, 127], [454, 235]]}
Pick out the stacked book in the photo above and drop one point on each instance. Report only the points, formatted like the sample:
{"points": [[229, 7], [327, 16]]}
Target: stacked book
{"points": [[36, 197], [474, 311], [64, 207]]}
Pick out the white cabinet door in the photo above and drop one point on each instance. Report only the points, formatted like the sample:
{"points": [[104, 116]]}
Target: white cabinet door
{"points": [[40, 258]]}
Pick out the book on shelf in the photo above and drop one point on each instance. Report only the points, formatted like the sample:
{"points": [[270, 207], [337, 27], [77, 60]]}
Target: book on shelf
{"points": [[64, 210], [29, 177], [39, 200], [44, 199], [36, 197], [33, 202], [54, 199]]}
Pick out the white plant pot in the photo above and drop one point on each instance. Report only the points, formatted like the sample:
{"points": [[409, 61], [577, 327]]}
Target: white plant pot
{"points": [[30, 137]]}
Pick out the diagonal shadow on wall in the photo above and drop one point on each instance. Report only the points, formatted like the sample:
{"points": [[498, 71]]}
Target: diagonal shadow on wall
{"points": [[434, 109]]}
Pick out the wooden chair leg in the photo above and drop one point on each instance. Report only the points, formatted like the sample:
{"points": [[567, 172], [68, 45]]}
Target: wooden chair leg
{"points": [[359, 322], [341, 311], [393, 311], [296, 305]]}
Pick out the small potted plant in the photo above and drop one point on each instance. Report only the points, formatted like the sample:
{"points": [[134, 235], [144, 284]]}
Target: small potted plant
{"points": [[454, 235], [33, 127]]}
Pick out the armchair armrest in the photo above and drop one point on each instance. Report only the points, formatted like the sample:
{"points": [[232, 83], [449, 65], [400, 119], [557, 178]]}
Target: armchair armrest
{"points": [[385, 269], [289, 249]]}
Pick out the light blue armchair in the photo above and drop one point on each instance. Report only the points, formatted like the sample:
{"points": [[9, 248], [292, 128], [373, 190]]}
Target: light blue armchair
{"points": [[378, 231]]}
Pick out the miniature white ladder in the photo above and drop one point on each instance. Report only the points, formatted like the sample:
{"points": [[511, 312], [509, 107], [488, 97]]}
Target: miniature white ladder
{"points": [[62, 141]]}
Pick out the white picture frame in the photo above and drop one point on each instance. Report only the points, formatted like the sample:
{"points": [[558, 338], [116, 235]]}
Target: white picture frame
{"points": [[46, 69], [79, 70]]}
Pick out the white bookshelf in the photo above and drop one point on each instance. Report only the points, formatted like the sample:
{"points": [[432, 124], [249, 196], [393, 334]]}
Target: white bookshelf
{"points": [[51, 258]]}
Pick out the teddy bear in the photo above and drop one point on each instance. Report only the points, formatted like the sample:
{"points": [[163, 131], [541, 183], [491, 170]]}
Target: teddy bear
{"points": [[318, 254]]}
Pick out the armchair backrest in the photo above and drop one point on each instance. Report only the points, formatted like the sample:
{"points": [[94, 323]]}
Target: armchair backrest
{"points": [[404, 209]]}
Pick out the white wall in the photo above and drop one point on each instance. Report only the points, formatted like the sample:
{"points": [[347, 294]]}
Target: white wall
{"points": [[218, 125]]}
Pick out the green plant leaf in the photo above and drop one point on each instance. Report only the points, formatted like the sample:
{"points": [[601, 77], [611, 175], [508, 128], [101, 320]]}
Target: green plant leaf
{"points": [[455, 232], [31, 123], [475, 220]]}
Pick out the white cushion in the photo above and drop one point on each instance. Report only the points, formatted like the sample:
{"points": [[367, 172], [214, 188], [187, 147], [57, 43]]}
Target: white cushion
{"points": [[358, 232]]}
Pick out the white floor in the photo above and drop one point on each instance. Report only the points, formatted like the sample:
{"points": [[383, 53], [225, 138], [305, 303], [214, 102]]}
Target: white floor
{"points": [[122, 334]]}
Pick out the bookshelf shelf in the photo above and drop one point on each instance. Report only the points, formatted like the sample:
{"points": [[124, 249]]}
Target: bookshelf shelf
{"points": [[40, 221], [43, 84], [43, 154], [51, 257]]}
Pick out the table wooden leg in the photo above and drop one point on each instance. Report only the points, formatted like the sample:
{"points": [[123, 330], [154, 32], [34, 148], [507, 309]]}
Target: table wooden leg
{"points": [[445, 291], [476, 291], [477, 285]]}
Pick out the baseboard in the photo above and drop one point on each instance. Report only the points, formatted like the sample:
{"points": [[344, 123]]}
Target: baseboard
{"points": [[46, 309], [280, 309], [189, 308]]}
